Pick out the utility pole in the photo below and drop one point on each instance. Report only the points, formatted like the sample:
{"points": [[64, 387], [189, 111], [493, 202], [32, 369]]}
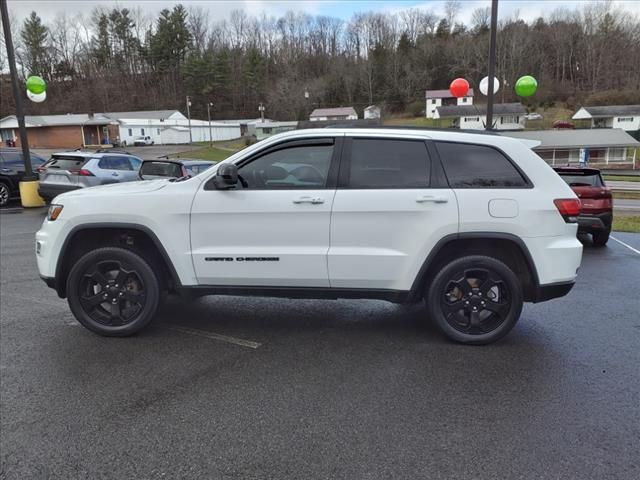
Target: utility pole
{"points": [[261, 109], [492, 62], [189, 117], [17, 95], [209, 105]]}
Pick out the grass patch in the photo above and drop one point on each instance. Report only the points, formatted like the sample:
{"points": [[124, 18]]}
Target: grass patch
{"points": [[626, 223], [622, 178], [418, 122], [626, 195], [213, 154]]}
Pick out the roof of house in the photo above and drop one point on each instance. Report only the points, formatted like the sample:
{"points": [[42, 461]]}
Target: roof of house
{"points": [[471, 110], [10, 121], [145, 114], [579, 138], [333, 112], [444, 93], [611, 111]]}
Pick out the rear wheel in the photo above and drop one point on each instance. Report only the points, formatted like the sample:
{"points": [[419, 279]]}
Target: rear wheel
{"points": [[600, 239], [4, 194], [113, 292], [475, 300]]}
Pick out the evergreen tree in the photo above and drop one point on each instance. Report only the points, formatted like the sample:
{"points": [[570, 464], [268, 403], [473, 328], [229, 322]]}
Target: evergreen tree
{"points": [[35, 55]]}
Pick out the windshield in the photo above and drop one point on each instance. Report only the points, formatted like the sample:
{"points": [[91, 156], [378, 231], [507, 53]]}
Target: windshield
{"points": [[582, 180]]}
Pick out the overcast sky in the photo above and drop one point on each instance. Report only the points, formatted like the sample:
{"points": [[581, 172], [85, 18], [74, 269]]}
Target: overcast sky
{"points": [[219, 9]]}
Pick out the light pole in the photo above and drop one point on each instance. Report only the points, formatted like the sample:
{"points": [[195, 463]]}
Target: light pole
{"points": [[492, 62], [261, 109], [209, 105], [189, 118], [17, 95]]}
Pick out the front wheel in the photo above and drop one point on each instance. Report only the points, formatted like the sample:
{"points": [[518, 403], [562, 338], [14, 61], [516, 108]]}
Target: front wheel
{"points": [[113, 292], [475, 300]]}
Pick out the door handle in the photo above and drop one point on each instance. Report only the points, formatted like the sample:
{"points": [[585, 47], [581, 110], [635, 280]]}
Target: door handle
{"points": [[312, 200], [429, 198], [114, 174]]}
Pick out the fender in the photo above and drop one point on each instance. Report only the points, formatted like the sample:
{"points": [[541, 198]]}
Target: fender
{"points": [[130, 226], [418, 282]]}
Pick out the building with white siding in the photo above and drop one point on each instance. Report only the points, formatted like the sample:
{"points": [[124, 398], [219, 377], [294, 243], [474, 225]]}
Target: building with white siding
{"points": [[626, 117]]}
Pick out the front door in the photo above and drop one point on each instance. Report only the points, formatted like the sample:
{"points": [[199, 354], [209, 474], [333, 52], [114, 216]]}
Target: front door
{"points": [[273, 228]]}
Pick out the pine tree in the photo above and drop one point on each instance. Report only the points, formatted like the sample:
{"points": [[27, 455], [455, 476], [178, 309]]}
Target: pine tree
{"points": [[35, 54]]}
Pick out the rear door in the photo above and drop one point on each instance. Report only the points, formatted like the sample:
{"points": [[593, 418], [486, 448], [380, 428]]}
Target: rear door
{"points": [[63, 170], [391, 207], [116, 168]]}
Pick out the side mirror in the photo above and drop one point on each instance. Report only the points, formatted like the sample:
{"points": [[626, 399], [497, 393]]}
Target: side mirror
{"points": [[226, 177], [155, 169]]}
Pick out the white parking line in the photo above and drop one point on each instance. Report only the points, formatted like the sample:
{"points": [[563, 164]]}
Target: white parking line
{"points": [[216, 336], [628, 246]]}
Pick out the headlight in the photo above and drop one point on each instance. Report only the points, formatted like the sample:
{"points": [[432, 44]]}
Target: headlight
{"points": [[54, 212]]}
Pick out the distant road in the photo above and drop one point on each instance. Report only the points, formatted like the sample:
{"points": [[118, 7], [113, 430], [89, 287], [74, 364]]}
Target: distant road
{"points": [[635, 186], [626, 206]]}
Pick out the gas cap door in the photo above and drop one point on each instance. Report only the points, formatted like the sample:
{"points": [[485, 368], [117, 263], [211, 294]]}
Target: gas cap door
{"points": [[503, 208]]}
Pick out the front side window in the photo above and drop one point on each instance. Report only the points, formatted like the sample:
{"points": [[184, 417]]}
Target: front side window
{"points": [[478, 166], [296, 167], [388, 163]]}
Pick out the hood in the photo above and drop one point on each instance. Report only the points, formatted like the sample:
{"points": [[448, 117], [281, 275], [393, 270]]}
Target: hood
{"points": [[117, 189]]}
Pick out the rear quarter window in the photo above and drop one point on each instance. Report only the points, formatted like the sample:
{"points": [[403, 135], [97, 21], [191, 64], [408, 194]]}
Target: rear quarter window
{"points": [[478, 166]]}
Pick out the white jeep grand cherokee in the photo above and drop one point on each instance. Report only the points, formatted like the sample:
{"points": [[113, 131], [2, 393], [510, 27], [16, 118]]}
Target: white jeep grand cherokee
{"points": [[474, 224]]}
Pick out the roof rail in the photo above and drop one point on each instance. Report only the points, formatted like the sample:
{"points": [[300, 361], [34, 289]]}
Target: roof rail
{"points": [[112, 150]]}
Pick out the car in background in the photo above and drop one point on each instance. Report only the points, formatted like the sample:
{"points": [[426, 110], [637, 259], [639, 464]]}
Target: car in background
{"points": [[12, 172], [533, 116], [172, 168], [68, 171], [563, 125], [596, 215], [143, 141]]}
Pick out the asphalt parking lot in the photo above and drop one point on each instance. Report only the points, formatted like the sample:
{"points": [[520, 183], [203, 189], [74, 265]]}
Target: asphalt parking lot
{"points": [[230, 387]]}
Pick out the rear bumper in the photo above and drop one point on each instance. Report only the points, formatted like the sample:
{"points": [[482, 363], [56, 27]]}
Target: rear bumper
{"points": [[552, 290], [594, 222], [49, 191]]}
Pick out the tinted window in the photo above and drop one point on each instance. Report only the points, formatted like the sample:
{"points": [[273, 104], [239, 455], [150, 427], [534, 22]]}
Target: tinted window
{"points": [[115, 163], [135, 162], [378, 163], [477, 166], [295, 167], [582, 179], [66, 162]]}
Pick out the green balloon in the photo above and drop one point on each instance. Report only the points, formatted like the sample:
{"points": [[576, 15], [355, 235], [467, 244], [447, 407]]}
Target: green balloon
{"points": [[526, 86], [36, 84]]}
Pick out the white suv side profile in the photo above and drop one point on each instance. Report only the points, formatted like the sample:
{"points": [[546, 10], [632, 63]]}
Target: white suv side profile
{"points": [[474, 224]]}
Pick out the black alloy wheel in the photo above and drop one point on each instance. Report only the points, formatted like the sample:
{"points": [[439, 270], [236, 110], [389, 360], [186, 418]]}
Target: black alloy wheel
{"points": [[475, 299], [113, 291]]}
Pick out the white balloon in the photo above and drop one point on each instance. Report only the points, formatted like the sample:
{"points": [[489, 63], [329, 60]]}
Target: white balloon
{"points": [[37, 97], [484, 85]]}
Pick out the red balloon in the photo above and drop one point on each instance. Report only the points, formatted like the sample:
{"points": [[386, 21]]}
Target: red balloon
{"points": [[459, 87]]}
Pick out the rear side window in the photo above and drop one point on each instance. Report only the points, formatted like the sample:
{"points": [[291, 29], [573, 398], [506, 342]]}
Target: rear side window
{"points": [[387, 163], [579, 179], [66, 162], [478, 166], [115, 163]]}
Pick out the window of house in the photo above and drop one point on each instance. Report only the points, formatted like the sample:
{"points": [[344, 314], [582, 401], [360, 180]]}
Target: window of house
{"points": [[296, 167], [509, 119], [625, 119], [157, 131], [472, 119], [142, 131], [478, 166], [387, 163], [130, 132]]}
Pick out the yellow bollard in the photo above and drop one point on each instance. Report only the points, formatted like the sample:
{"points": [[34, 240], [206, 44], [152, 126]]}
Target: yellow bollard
{"points": [[29, 194]]}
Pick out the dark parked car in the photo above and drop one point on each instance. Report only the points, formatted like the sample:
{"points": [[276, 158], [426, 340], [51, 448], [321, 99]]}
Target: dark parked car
{"points": [[596, 215], [172, 168], [12, 172]]}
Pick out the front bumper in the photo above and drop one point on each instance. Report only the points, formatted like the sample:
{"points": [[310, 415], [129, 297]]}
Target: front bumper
{"points": [[50, 191], [594, 222]]}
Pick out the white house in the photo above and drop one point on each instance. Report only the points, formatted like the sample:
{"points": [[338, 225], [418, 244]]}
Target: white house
{"points": [[269, 127], [443, 98], [372, 111], [626, 117], [607, 147], [506, 116], [340, 113]]}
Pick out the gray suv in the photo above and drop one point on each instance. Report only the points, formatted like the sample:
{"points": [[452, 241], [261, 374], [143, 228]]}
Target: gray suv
{"points": [[72, 170]]}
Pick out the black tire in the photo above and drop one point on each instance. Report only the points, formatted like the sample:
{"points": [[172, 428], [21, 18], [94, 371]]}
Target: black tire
{"points": [[117, 279], [5, 193], [475, 300], [600, 239]]}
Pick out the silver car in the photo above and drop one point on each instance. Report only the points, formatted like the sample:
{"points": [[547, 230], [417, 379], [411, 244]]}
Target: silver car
{"points": [[68, 171]]}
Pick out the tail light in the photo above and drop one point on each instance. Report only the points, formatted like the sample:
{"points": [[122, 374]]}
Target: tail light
{"points": [[82, 172], [569, 208]]}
